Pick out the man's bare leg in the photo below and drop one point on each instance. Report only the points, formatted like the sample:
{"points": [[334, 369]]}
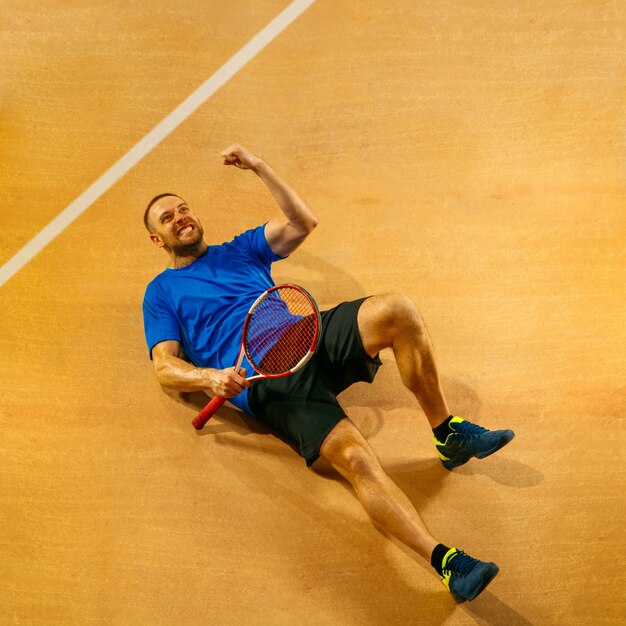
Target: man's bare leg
{"points": [[393, 321], [348, 452]]}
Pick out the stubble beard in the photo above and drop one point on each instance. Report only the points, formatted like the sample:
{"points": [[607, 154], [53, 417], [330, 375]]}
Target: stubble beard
{"points": [[189, 248]]}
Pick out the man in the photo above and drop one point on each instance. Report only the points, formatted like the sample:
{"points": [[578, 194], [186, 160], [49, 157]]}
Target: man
{"points": [[196, 307]]}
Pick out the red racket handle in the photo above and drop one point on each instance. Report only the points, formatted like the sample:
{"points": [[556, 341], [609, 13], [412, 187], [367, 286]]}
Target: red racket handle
{"points": [[208, 412]]}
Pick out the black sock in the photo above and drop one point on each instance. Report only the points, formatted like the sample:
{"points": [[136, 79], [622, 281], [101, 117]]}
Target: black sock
{"points": [[436, 559], [443, 430]]}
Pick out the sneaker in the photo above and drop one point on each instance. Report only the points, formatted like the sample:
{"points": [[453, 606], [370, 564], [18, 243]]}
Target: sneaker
{"points": [[464, 576], [468, 440]]}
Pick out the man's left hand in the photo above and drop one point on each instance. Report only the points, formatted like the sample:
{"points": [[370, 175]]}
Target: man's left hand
{"points": [[240, 157]]}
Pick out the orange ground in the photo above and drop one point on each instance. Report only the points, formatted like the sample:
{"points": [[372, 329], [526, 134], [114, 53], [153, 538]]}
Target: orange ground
{"points": [[468, 154]]}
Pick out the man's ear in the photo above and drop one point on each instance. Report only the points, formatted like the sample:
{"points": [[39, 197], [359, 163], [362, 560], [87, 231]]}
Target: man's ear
{"points": [[156, 240]]}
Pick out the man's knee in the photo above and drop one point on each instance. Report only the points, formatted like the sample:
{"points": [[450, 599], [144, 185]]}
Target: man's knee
{"points": [[400, 311], [359, 461], [349, 453], [382, 318]]}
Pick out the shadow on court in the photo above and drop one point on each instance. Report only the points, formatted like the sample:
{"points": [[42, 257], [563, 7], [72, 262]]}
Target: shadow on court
{"points": [[505, 471], [489, 609]]}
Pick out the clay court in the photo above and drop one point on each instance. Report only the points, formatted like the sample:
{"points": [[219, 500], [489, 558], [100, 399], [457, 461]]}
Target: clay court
{"points": [[468, 154]]}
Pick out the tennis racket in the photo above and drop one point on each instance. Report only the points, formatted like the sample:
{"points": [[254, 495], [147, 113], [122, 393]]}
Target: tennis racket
{"points": [[279, 336]]}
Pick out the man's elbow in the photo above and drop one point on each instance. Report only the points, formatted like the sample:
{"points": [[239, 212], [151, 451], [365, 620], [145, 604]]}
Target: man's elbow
{"points": [[301, 232], [309, 223], [160, 371]]}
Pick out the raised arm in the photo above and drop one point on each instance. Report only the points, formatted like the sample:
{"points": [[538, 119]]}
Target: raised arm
{"points": [[289, 229], [174, 373]]}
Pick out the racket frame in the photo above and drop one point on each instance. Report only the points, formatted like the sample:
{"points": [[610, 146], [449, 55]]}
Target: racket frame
{"points": [[303, 361]]}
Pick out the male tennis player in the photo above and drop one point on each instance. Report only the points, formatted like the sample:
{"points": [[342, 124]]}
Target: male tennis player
{"points": [[196, 309]]}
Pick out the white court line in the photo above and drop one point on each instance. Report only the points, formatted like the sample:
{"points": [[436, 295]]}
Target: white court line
{"points": [[153, 138]]}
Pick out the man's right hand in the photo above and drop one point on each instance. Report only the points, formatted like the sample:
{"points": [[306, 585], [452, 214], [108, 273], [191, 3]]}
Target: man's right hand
{"points": [[227, 383]]}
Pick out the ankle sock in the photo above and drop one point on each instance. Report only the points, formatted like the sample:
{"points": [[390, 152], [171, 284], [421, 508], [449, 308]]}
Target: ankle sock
{"points": [[443, 430], [436, 559]]}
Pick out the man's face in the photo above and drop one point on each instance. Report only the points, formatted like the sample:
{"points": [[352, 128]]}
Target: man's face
{"points": [[176, 226]]}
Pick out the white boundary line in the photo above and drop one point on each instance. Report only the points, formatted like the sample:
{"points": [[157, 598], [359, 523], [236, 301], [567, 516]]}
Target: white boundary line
{"points": [[153, 138]]}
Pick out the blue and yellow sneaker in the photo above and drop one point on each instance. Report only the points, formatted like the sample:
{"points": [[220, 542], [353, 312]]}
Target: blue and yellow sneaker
{"points": [[464, 576], [467, 440]]}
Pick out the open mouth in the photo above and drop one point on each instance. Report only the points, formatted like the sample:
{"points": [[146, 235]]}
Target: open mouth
{"points": [[184, 230]]}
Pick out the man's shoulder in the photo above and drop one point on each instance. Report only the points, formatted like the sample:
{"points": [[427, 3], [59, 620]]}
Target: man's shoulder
{"points": [[247, 236], [253, 244], [154, 286]]}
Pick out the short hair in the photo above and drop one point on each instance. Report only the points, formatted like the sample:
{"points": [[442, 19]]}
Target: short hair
{"points": [[146, 215]]}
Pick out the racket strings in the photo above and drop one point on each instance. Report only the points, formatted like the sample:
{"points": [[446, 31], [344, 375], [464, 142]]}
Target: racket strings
{"points": [[281, 331], [295, 343]]}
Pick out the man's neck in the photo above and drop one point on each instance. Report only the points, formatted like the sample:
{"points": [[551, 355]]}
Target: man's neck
{"points": [[184, 259]]}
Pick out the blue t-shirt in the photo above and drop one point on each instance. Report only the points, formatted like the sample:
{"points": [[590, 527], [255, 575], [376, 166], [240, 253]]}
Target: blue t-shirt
{"points": [[203, 306]]}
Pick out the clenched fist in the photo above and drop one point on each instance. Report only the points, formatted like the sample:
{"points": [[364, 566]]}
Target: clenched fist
{"points": [[240, 157]]}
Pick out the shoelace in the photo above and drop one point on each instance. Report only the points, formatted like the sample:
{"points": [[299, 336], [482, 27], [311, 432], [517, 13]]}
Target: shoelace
{"points": [[460, 564], [467, 430]]}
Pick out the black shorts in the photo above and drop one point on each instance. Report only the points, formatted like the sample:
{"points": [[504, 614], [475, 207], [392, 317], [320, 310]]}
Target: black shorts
{"points": [[303, 407]]}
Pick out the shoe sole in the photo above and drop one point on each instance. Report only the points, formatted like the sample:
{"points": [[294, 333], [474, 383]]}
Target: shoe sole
{"points": [[479, 455], [490, 571]]}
